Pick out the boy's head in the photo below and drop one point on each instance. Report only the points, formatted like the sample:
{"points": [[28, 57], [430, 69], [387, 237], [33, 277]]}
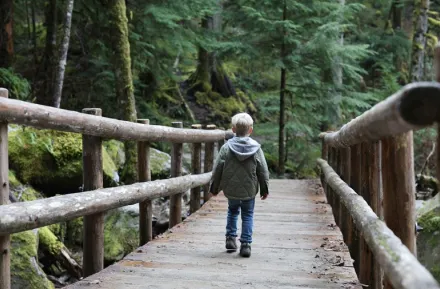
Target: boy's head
{"points": [[242, 124]]}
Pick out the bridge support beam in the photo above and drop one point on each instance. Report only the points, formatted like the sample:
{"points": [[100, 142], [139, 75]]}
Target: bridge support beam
{"points": [[5, 241], [176, 171], [146, 207], [93, 245]]}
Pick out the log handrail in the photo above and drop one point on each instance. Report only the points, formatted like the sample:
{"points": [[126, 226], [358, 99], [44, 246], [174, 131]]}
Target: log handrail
{"points": [[398, 263], [23, 216], [373, 154], [95, 201], [415, 106], [45, 117]]}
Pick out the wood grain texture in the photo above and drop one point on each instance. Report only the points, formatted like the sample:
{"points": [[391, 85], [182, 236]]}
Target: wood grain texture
{"points": [[208, 161], [24, 216], [416, 105], [176, 171], [399, 264], [144, 174], [5, 250], [93, 245], [39, 116], [294, 247], [195, 169]]}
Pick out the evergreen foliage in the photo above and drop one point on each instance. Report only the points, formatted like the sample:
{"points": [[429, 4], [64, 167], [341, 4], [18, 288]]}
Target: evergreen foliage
{"points": [[328, 81]]}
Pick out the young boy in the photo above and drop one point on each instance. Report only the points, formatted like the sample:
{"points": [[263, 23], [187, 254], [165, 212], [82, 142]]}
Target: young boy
{"points": [[239, 170]]}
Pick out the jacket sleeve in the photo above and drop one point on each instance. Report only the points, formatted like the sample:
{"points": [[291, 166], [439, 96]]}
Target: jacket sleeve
{"points": [[262, 173], [217, 171]]}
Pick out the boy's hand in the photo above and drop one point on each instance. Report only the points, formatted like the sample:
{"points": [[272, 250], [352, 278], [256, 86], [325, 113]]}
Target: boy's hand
{"points": [[263, 197]]}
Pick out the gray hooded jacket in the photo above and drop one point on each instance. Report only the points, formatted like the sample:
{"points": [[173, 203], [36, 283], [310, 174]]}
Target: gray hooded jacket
{"points": [[240, 169]]}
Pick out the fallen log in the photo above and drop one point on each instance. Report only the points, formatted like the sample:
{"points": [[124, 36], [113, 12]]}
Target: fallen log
{"points": [[54, 249]]}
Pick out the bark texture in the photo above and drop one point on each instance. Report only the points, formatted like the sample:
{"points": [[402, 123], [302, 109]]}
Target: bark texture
{"points": [[419, 39], [6, 28], [44, 97], [44, 117], [59, 72], [124, 80], [25, 216], [282, 120], [414, 106], [398, 263]]}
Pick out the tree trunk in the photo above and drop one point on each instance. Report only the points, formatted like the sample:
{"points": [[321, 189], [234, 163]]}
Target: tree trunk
{"points": [[34, 32], [209, 69], [124, 80], [6, 39], [45, 96], [281, 146], [59, 73], [419, 39]]}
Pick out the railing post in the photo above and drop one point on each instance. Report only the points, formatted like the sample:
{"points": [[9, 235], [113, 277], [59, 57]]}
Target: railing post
{"points": [[336, 201], [345, 171], [93, 245], [144, 173], [221, 142], [369, 272], [176, 171], [399, 188], [355, 183], [209, 162], [324, 156], [5, 241], [195, 169]]}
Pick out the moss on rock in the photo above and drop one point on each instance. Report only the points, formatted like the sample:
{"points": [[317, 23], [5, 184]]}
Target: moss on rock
{"points": [[428, 240], [51, 160], [25, 271]]}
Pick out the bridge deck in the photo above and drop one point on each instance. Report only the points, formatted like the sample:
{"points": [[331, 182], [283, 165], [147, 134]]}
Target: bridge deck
{"points": [[296, 245]]}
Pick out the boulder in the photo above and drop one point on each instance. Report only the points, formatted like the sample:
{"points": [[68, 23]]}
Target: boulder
{"points": [[26, 272], [428, 240], [51, 161]]}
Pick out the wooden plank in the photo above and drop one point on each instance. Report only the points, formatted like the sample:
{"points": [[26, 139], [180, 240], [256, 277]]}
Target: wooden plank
{"points": [[145, 207], [5, 250], [93, 245], [176, 171], [285, 253]]}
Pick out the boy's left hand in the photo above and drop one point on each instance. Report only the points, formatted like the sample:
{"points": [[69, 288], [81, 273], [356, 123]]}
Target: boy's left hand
{"points": [[263, 197]]}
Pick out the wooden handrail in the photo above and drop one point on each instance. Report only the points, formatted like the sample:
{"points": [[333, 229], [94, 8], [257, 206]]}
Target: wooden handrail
{"points": [[398, 263], [415, 106], [39, 116], [93, 203], [24, 216]]}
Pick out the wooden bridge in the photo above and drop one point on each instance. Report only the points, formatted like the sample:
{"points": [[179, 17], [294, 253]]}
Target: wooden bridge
{"points": [[305, 237]]}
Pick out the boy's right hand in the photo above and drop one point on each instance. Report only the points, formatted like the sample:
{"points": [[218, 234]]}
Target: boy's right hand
{"points": [[263, 197]]}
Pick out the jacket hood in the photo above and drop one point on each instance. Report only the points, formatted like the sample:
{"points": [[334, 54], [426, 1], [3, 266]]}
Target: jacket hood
{"points": [[243, 147]]}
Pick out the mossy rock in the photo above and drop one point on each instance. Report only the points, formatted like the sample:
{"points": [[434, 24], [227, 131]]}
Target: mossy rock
{"points": [[25, 271], [428, 240], [51, 161], [160, 162]]}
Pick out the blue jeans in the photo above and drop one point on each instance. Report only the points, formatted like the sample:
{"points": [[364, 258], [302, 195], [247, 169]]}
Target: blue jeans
{"points": [[247, 218]]}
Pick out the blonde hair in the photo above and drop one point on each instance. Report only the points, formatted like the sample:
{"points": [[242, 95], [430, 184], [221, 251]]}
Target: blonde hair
{"points": [[242, 122]]}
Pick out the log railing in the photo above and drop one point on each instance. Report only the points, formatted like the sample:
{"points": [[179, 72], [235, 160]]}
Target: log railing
{"points": [[368, 176], [95, 201]]}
